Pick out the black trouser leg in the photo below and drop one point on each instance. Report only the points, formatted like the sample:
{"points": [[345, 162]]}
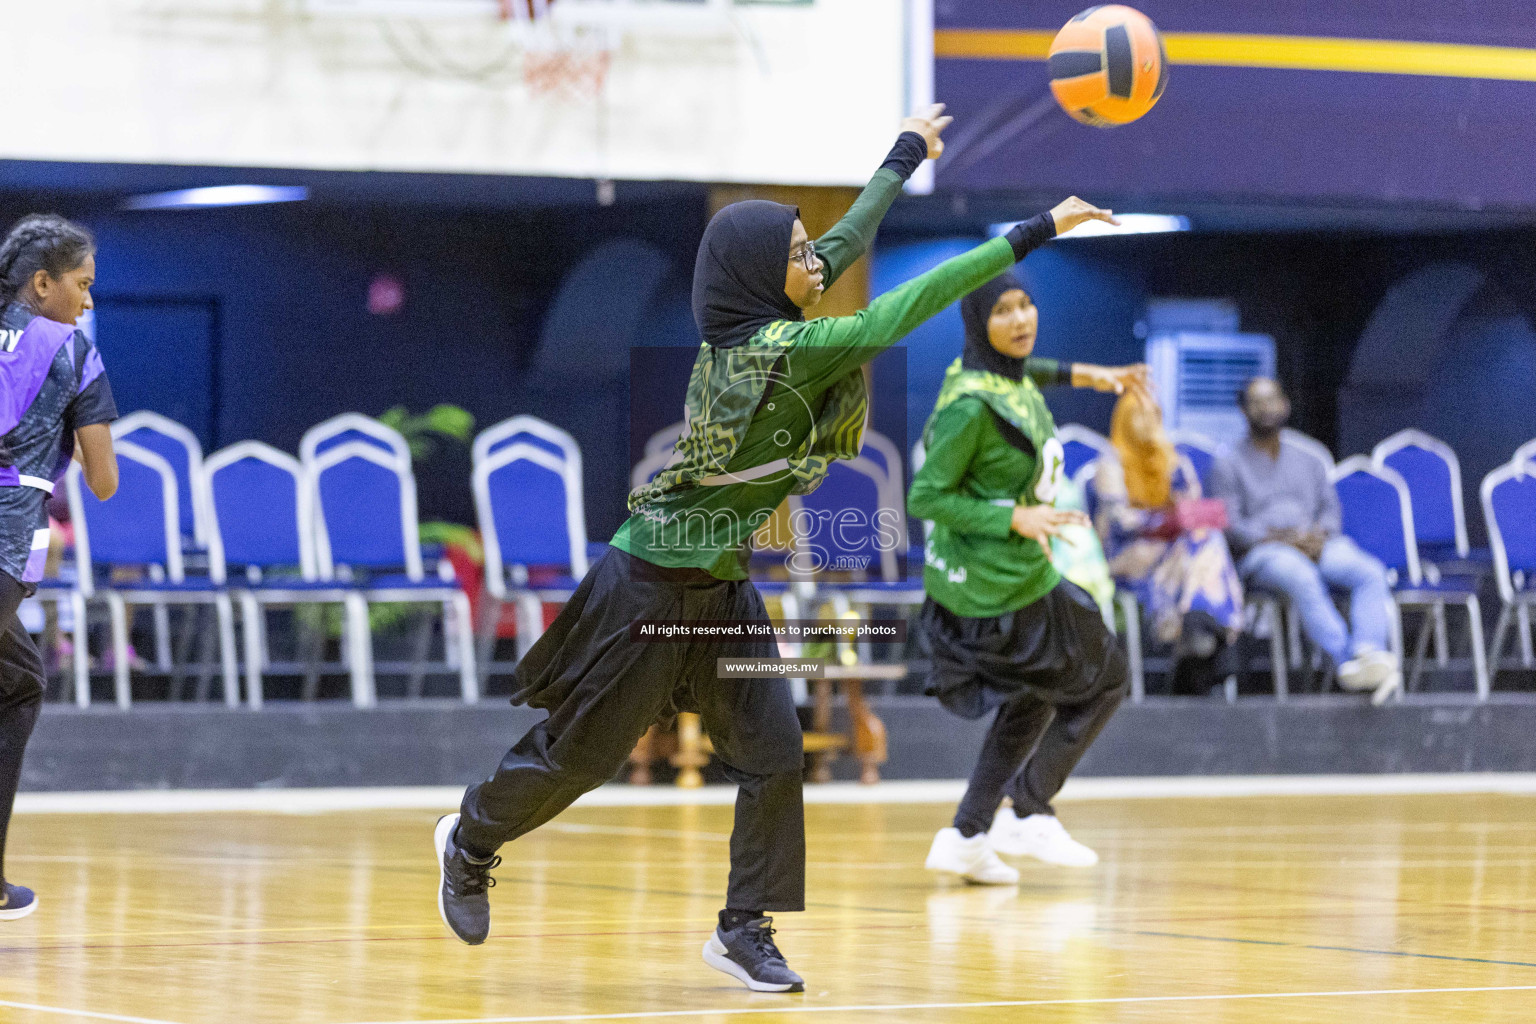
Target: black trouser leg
{"points": [[569, 753], [1065, 741], [1015, 730], [756, 735], [21, 697]]}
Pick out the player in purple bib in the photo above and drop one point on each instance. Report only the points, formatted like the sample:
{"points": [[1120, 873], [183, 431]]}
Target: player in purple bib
{"points": [[55, 404]]}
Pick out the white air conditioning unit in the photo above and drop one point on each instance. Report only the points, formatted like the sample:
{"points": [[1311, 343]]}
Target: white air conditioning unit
{"points": [[1198, 373]]}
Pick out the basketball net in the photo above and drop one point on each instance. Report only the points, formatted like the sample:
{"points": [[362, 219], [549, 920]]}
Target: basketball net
{"points": [[571, 63]]}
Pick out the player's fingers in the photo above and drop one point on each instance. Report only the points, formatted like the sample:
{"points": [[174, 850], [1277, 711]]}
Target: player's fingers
{"points": [[940, 123]]}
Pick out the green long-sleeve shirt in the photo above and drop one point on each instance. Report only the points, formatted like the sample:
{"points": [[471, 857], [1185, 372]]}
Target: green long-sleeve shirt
{"points": [[972, 477], [710, 527]]}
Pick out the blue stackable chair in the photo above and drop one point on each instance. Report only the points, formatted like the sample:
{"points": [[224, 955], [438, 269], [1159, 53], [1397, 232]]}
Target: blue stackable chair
{"points": [[1509, 505], [260, 518], [140, 527], [1079, 446], [528, 498], [1433, 474], [1378, 516], [181, 448], [365, 522]]}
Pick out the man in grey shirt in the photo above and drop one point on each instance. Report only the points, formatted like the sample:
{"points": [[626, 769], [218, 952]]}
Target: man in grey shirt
{"points": [[1284, 527]]}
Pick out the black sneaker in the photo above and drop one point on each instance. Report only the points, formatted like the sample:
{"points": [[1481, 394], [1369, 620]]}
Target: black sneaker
{"points": [[748, 954], [462, 885], [16, 901]]}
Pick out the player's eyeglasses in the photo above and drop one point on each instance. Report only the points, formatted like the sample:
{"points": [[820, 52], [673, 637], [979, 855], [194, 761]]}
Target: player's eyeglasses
{"points": [[806, 254]]}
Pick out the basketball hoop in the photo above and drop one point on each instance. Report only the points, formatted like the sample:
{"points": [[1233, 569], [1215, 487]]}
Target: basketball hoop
{"points": [[555, 48]]}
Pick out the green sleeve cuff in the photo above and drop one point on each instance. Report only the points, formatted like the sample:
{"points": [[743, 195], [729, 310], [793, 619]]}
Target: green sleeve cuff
{"points": [[1048, 372]]}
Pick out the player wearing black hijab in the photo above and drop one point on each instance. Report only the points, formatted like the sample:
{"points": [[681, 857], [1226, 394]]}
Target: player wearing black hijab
{"points": [[1003, 630], [772, 399]]}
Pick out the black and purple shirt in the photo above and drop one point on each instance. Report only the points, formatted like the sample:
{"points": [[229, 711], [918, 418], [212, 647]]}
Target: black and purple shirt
{"points": [[51, 383]]}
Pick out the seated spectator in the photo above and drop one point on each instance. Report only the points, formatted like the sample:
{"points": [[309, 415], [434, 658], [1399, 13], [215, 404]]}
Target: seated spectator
{"points": [[1165, 544], [1284, 524]]}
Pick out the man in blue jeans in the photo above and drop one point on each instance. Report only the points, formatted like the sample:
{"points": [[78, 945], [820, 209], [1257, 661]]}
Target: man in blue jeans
{"points": [[1284, 527]]}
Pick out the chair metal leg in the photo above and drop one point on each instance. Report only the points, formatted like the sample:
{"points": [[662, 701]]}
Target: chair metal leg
{"points": [[485, 637], [1292, 620], [1132, 612], [420, 647], [1496, 649], [464, 644], [1421, 648], [312, 641], [251, 614], [359, 642], [1480, 675], [1395, 619], [182, 656], [205, 643], [162, 616], [118, 611], [1527, 655], [224, 609], [530, 622], [82, 651], [1442, 641], [1277, 651]]}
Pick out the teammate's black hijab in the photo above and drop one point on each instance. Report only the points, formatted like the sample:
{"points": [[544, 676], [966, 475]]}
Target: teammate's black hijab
{"points": [[738, 278], [976, 310]]}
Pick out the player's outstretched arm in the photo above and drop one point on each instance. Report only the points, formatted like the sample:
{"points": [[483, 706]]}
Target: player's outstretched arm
{"points": [[895, 314], [852, 236]]}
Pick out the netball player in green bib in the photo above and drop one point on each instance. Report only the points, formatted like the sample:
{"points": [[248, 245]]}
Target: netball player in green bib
{"points": [[1003, 630], [772, 399]]}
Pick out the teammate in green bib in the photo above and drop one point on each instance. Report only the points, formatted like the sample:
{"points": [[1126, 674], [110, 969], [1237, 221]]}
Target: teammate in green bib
{"points": [[1002, 629]]}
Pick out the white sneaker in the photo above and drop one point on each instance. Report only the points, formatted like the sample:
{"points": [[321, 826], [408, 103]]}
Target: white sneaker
{"points": [[1039, 836], [972, 859], [1384, 692], [1367, 670]]}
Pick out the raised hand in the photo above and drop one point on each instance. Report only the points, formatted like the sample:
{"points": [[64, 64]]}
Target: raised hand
{"points": [[929, 123], [1116, 379], [1075, 211]]}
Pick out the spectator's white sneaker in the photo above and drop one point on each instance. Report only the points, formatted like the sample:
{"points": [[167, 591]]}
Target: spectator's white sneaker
{"points": [[1367, 670], [1039, 836], [972, 859], [1384, 692]]}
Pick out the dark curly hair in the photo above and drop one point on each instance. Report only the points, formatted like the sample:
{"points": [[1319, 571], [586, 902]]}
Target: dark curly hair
{"points": [[41, 241]]}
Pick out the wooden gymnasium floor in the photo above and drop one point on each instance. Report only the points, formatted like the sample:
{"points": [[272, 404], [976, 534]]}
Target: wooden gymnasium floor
{"points": [[1347, 909]]}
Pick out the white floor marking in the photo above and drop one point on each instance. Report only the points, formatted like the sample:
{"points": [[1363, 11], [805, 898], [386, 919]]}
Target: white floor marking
{"points": [[444, 798], [61, 1011], [893, 1007]]}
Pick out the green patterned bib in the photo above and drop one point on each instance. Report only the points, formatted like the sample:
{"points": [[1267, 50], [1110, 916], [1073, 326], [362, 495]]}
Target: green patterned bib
{"points": [[724, 391], [1021, 404]]}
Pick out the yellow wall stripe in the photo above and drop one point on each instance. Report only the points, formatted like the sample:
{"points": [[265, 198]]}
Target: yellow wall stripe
{"points": [[1297, 53]]}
